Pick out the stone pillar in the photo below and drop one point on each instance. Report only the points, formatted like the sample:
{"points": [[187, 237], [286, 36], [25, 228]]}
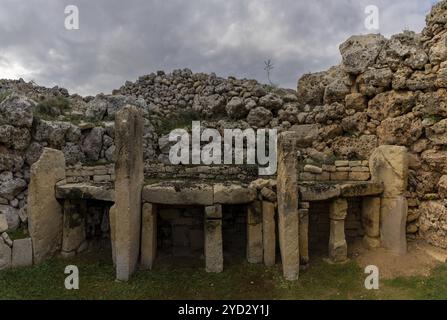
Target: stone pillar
{"points": [[304, 236], [338, 248], [73, 226], [288, 218], [254, 233], [389, 165], [125, 215], [44, 211], [213, 239], [269, 233], [148, 235], [371, 221]]}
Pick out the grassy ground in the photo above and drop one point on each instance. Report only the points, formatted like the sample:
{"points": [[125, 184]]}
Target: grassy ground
{"points": [[239, 281]]}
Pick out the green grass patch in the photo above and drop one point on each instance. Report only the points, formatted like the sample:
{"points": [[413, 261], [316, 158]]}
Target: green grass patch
{"points": [[18, 234], [239, 280], [4, 95], [182, 120]]}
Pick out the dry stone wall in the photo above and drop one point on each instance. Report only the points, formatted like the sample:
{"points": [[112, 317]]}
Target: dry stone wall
{"points": [[385, 91]]}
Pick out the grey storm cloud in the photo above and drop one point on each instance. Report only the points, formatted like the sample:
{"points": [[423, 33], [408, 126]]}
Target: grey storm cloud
{"points": [[121, 40]]}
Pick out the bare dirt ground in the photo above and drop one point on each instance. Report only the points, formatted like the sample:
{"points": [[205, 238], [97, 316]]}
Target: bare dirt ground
{"points": [[420, 260]]}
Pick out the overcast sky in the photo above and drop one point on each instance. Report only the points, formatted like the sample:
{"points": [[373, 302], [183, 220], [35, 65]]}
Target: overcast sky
{"points": [[120, 40]]}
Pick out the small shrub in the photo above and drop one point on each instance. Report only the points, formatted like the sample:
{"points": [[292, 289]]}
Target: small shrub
{"points": [[4, 95], [182, 120], [53, 107]]}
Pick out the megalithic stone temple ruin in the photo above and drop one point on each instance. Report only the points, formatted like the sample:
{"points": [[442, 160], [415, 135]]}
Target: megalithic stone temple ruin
{"points": [[361, 158]]}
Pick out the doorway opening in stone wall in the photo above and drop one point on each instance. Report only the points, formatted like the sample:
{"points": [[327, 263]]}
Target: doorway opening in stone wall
{"points": [[180, 236], [319, 227], [97, 228], [234, 233]]}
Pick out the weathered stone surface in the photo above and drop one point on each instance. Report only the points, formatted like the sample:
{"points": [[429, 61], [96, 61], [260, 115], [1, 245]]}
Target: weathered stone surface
{"points": [[3, 223], [432, 223], [389, 165], [12, 187], [268, 194], [128, 185], [76, 191], [259, 117], [338, 209], [360, 189], [233, 194], [73, 225], [403, 130], [213, 212], [44, 211], [391, 104], [436, 159], [438, 133], [269, 233], [148, 235], [17, 110], [12, 216], [304, 236], [338, 248], [371, 243], [213, 246], [361, 52], [442, 187], [5, 256], [254, 233], [393, 215], [179, 193], [288, 218], [92, 143], [371, 216], [22, 253], [318, 191], [305, 134]]}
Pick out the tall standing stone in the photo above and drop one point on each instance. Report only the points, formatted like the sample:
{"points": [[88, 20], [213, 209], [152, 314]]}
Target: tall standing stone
{"points": [[148, 235], [269, 233], [288, 217], [44, 211], [126, 212], [304, 236], [254, 233], [371, 221], [389, 165], [338, 248], [73, 226], [213, 245]]}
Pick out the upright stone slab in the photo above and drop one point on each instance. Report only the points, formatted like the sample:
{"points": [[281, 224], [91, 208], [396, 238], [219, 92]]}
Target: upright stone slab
{"points": [[73, 226], [254, 233], [338, 248], [5, 255], [371, 216], [269, 233], [126, 212], [22, 253], [304, 236], [44, 211], [213, 245], [148, 235], [288, 218], [389, 165], [393, 225]]}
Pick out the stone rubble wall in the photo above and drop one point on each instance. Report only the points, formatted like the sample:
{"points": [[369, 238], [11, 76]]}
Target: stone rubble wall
{"points": [[385, 92], [90, 174]]}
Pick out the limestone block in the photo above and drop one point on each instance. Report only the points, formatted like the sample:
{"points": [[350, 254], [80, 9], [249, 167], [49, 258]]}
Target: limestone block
{"points": [[5, 256], [288, 219], [360, 189], [73, 225], [371, 243], [128, 186], [269, 233], [393, 217], [371, 216], [213, 212], [338, 209], [304, 236], [3, 223], [179, 193], [338, 249], [318, 192], [339, 176], [254, 233], [44, 211], [233, 194], [148, 235], [77, 191], [389, 165], [213, 246], [22, 253]]}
